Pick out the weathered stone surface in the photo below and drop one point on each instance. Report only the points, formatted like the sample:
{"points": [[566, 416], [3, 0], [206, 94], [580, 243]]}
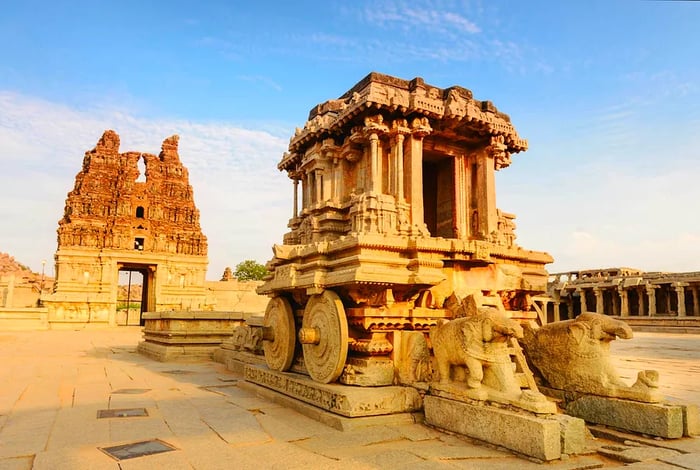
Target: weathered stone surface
{"points": [[691, 419], [687, 461], [109, 206], [332, 419], [525, 434], [632, 454], [574, 355], [186, 335], [573, 434], [689, 445], [115, 221], [480, 344], [341, 399], [394, 212], [655, 419], [368, 371]]}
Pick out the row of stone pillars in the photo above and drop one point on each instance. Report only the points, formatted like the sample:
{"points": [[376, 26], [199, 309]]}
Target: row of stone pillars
{"points": [[624, 307]]}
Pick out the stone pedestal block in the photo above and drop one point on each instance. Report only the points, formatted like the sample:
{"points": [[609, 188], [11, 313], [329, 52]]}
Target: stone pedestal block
{"points": [[691, 420], [573, 434], [235, 360], [368, 371], [522, 433], [186, 335], [655, 419], [341, 399]]}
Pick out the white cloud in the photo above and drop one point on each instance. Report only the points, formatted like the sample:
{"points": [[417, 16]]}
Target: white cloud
{"points": [[637, 212], [244, 201], [266, 81], [411, 15]]}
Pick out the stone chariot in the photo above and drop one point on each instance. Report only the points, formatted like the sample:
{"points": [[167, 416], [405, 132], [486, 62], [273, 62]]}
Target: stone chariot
{"points": [[397, 224]]}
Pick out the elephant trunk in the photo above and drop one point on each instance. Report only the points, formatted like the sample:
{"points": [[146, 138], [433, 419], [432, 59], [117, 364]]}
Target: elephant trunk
{"points": [[510, 329], [619, 329]]}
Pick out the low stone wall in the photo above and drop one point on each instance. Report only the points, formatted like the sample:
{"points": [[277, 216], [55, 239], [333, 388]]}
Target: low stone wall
{"points": [[238, 296], [24, 319], [186, 336]]}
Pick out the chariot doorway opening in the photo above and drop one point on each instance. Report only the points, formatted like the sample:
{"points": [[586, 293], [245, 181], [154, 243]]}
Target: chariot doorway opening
{"points": [[438, 195], [133, 294]]}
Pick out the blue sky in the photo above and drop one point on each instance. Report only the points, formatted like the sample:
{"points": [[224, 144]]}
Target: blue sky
{"points": [[606, 92]]}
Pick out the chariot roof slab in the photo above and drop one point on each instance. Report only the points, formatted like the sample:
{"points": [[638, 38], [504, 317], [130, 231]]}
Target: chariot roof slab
{"points": [[453, 112]]}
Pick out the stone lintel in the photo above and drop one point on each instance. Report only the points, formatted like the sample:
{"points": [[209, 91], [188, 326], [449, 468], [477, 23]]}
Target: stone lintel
{"points": [[525, 434], [340, 399], [655, 419]]}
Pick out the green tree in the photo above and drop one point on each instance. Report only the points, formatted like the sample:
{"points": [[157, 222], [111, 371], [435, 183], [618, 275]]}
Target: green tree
{"points": [[250, 270]]}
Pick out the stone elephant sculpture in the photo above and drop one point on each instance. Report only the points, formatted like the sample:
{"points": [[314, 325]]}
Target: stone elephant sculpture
{"points": [[574, 355], [475, 341]]}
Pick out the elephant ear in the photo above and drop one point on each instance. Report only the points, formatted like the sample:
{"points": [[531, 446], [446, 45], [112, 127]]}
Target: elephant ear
{"points": [[468, 334], [578, 331], [487, 330]]}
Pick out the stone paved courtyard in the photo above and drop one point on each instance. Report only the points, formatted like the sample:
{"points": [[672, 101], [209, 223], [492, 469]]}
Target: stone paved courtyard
{"points": [[54, 383]]}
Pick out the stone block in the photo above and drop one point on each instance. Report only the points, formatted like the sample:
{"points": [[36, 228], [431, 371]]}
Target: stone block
{"points": [[368, 371], [655, 419], [523, 433], [691, 420], [341, 399], [687, 461], [333, 420], [180, 353], [573, 434], [634, 454]]}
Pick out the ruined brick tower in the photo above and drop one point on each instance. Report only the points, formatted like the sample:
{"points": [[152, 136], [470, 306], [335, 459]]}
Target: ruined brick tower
{"points": [[118, 218]]}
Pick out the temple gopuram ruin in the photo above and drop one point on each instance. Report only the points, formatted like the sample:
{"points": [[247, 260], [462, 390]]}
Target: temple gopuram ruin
{"points": [[625, 292], [119, 219]]}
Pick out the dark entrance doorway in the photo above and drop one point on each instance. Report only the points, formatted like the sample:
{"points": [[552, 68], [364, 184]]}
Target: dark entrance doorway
{"points": [[438, 195], [134, 293]]}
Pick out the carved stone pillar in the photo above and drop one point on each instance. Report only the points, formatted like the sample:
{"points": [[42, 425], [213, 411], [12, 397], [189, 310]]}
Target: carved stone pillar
{"points": [[304, 190], [414, 165], [375, 164], [556, 313], [337, 180], [399, 167], [318, 180], [582, 297], [599, 305], [296, 197], [624, 302], [696, 302], [651, 294], [640, 302], [460, 209], [399, 129], [680, 294]]}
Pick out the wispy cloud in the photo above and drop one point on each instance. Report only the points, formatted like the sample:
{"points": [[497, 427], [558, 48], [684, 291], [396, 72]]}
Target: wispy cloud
{"points": [[232, 171], [410, 15], [266, 81]]}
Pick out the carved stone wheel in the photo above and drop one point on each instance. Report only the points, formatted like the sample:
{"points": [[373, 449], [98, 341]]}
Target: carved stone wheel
{"points": [[324, 337], [279, 334]]}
